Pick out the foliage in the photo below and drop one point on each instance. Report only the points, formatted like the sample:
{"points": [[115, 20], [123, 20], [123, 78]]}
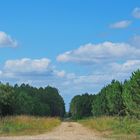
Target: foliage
{"points": [[116, 98], [28, 100], [81, 106], [109, 101], [6, 99], [55, 102], [131, 95]]}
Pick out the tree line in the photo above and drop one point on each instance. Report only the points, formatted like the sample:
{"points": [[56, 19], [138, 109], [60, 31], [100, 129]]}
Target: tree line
{"points": [[114, 99], [28, 100]]}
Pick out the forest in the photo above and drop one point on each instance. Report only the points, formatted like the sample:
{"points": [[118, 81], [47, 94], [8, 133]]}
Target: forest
{"points": [[28, 100], [115, 99]]}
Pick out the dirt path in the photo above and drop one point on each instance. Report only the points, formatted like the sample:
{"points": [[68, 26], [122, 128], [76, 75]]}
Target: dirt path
{"points": [[66, 131]]}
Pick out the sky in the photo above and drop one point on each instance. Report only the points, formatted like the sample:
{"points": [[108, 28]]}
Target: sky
{"points": [[77, 46]]}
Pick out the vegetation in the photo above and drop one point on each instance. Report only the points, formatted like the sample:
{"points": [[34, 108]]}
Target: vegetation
{"points": [[28, 100], [125, 128], [115, 99], [109, 101], [119, 102], [81, 106], [131, 95], [25, 125]]}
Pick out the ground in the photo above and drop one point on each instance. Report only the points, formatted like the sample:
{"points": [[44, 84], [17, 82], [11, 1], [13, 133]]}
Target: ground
{"points": [[66, 131]]}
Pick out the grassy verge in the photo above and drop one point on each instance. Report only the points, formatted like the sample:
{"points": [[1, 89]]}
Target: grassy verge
{"points": [[119, 128], [25, 125]]}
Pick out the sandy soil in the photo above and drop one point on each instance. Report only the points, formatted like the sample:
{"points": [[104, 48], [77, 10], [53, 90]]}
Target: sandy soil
{"points": [[66, 131]]}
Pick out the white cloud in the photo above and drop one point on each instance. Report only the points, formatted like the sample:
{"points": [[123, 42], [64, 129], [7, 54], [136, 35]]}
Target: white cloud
{"points": [[60, 73], [105, 75], [109, 61], [26, 65], [117, 60], [40, 72], [128, 66], [136, 12], [6, 40], [33, 70], [96, 53], [120, 24]]}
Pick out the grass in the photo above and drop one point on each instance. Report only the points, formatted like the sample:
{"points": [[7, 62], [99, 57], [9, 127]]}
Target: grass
{"points": [[120, 128], [27, 125]]}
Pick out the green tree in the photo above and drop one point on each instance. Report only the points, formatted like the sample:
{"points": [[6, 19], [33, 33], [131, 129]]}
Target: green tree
{"points": [[114, 98], [131, 94], [23, 103], [81, 106], [56, 103], [109, 101], [99, 104], [6, 99]]}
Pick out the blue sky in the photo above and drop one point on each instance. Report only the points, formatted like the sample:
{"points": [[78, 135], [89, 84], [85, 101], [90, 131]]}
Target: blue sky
{"points": [[77, 46]]}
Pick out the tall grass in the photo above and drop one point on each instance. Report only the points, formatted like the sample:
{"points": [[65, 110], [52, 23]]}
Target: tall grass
{"points": [[114, 126], [27, 125]]}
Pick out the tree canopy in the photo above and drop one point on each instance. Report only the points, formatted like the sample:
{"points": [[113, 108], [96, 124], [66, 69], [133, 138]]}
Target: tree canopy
{"points": [[28, 100], [115, 98]]}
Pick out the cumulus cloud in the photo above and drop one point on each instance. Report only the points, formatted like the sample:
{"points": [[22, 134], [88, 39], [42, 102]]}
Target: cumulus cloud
{"points": [[97, 53], [110, 71], [136, 12], [109, 61], [128, 66], [117, 61], [121, 24], [40, 72], [7, 41], [33, 70], [26, 65]]}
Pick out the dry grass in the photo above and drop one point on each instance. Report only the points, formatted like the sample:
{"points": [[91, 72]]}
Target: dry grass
{"points": [[119, 128], [27, 125]]}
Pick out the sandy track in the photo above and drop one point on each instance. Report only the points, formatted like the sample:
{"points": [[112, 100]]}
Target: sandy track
{"points": [[66, 131]]}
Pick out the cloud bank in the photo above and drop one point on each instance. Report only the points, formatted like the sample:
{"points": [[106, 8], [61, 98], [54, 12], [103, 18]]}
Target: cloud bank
{"points": [[99, 53]]}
